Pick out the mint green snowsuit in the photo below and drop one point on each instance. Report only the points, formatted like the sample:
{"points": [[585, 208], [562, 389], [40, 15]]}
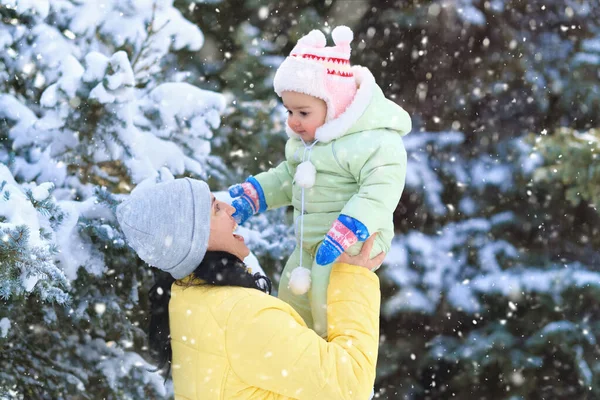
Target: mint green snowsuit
{"points": [[360, 164]]}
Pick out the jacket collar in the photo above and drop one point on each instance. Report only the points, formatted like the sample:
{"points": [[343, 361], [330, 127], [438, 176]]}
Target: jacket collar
{"points": [[337, 127], [189, 280]]}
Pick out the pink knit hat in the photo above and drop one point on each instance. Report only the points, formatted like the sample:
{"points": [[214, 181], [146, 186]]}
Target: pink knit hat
{"points": [[320, 71]]}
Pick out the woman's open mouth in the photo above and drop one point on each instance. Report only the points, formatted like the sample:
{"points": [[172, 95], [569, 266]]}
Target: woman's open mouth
{"points": [[235, 235]]}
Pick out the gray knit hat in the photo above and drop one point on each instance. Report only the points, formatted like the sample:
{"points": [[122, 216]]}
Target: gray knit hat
{"points": [[168, 224]]}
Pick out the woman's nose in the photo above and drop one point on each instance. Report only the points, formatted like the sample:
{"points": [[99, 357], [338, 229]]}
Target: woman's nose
{"points": [[229, 209]]}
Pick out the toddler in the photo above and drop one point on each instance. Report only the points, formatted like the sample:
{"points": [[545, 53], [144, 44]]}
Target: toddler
{"points": [[344, 168]]}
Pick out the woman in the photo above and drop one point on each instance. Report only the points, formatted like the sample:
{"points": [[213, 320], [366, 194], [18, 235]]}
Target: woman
{"points": [[224, 337]]}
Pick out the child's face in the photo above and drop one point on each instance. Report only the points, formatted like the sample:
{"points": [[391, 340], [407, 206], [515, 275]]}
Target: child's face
{"points": [[305, 113]]}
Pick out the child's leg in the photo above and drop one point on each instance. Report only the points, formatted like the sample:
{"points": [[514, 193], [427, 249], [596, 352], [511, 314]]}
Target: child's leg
{"points": [[318, 297], [300, 303]]}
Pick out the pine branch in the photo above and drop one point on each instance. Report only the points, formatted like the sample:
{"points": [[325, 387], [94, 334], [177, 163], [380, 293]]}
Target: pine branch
{"points": [[150, 32], [48, 363], [106, 197]]}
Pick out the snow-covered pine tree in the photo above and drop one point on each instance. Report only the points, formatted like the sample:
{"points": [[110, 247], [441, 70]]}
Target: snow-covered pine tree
{"points": [[469, 310], [29, 218], [571, 156], [571, 160], [91, 104]]}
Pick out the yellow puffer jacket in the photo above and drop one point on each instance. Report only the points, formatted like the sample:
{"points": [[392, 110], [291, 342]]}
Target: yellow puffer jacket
{"points": [[236, 343]]}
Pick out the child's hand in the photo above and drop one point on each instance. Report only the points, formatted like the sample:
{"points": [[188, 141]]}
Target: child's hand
{"points": [[362, 259], [344, 233], [248, 200]]}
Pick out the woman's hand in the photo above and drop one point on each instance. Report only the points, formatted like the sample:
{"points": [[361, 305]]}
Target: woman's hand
{"points": [[362, 258]]}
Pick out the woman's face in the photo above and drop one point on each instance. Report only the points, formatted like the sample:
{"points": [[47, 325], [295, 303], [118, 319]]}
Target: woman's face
{"points": [[222, 226]]}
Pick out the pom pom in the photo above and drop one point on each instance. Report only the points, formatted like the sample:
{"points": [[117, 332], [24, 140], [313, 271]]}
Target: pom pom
{"points": [[299, 281], [342, 35], [314, 38], [305, 175]]}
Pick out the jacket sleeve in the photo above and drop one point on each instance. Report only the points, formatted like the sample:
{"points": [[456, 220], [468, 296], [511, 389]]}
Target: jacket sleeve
{"points": [[380, 170], [270, 348], [276, 184]]}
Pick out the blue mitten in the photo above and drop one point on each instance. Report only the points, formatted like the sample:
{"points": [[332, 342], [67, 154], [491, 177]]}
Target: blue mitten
{"points": [[344, 233], [249, 199]]}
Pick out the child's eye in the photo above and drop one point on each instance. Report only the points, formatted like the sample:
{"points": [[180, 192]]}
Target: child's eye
{"points": [[289, 112], [303, 113], [217, 207]]}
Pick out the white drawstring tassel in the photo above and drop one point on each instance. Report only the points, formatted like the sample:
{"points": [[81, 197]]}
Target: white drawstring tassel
{"points": [[300, 279]]}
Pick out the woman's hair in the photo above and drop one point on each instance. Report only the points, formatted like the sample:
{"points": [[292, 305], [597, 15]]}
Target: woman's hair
{"points": [[218, 268]]}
